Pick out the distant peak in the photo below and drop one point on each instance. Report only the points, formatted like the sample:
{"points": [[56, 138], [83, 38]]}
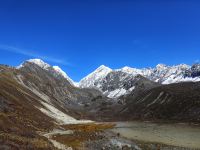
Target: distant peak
{"points": [[98, 74], [39, 62], [197, 64], [36, 61], [103, 67], [129, 68], [183, 66], [161, 66], [56, 69], [126, 68]]}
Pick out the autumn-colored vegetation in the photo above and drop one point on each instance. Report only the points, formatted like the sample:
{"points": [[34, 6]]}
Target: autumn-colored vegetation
{"points": [[82, 133]]}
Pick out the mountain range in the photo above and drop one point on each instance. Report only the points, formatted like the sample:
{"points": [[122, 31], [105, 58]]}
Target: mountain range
{"points": [[36, 96], [118, 82]]}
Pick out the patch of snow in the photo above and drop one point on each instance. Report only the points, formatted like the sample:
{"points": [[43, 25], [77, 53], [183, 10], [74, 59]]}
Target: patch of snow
{"points": [[76, 84], [131, 89], [39, 62], [129, 70], [117, 93], [181, 79], [196, 79], [59, 71]]}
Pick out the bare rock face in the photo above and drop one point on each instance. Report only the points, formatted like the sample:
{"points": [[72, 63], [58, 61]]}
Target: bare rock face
{"points": [[194, 71]]}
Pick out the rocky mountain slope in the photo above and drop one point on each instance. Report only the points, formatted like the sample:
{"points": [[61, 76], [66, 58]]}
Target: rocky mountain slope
{"points": [[20, 118], [51, 85], [37, 98], [178, 101]]}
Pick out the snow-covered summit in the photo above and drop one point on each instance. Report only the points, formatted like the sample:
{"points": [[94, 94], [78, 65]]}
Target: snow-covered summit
{"points": [[52, 69], [161, 66], [40, 63], [36, 61], [99, 74], [103, 69], [130, 70]]}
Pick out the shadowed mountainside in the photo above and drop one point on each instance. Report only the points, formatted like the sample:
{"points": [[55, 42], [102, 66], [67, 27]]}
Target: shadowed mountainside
{"points": [[178, 102]]}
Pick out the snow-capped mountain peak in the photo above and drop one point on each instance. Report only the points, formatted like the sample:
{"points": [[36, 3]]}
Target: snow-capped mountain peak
{"points": [[103, 68], [39, 62], [161, 66], [129, 70], [36, 61], [55, 70], [97, 75]]}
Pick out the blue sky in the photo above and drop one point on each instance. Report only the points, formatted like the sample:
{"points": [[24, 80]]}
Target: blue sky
{"points": [[81, 35]]}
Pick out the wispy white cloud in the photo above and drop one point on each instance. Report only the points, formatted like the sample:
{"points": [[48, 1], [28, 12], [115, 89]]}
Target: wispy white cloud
{"points": [[30, 53]]}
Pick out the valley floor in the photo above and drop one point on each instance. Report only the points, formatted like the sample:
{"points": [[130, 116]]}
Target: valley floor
{"points": [[110, 136]]}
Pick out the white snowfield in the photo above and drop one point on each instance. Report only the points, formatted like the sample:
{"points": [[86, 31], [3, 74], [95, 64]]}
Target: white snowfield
{"points": [[116, 93]]}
